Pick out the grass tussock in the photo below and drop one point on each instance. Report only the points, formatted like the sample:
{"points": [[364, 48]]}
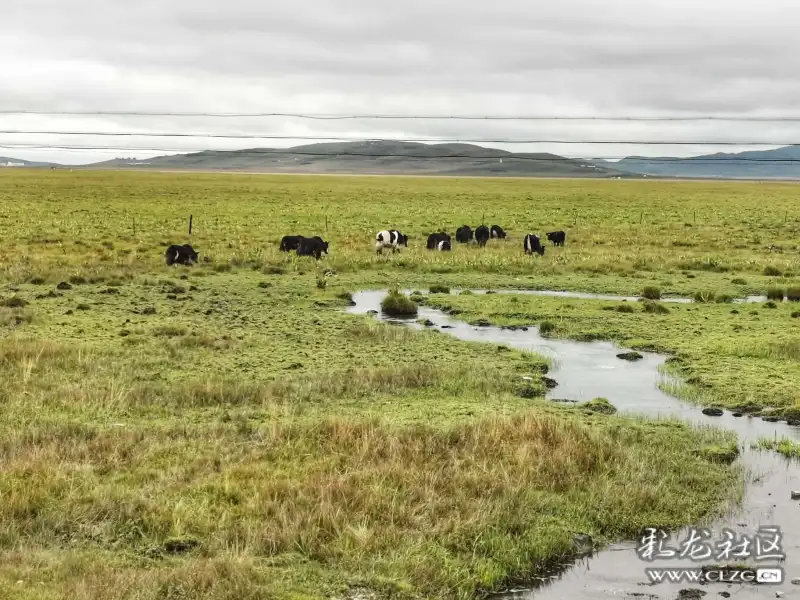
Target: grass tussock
{"points": [[651, 293], [397, 304], [704, 297], [776, 294], [13, 302], [439, 289], [654, 308], [547, 328], [599, 405]]}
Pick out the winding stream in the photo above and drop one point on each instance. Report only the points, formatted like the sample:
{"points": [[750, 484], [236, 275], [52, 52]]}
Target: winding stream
{"points": [[586, 370]]}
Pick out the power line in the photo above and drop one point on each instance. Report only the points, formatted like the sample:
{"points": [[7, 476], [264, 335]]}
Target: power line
{"points": [[494, 157], [334, 117], [377, 139]]}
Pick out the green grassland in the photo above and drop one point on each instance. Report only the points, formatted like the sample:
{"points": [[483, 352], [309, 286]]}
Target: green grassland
{"points": [[228, 431]]}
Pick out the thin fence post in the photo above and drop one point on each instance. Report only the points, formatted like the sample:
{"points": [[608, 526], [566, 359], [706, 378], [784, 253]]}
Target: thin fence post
{"points": [[641, 218], [326, 223], [190, 224], [134, 226]]}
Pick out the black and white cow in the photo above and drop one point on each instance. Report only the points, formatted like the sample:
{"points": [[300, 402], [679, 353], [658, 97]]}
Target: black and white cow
{"points": [[390, 238], [439, 241], [532, 244], [464, 234], [497, 232], [557, 237], [313, 246], [180, 255], [290, 242], [482, 235]]}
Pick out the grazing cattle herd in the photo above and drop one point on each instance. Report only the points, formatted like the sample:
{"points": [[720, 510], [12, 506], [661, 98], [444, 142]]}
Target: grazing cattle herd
{"points": [[388, 238]]}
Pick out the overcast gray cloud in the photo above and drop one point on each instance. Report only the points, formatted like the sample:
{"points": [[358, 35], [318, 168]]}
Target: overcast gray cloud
{"points": [[442, 57]]}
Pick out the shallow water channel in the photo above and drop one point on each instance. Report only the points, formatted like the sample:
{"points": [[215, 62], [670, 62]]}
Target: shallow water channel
{"points": [[587, 370]]}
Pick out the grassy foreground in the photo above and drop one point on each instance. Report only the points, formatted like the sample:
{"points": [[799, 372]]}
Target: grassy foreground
{"points": [[227, 431]]}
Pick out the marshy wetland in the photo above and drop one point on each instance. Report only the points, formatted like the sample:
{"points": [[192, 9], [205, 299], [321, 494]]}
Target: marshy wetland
{"points": [[242, 428]]}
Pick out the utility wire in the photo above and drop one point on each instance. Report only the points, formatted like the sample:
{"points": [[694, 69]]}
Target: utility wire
{"points": [[494, 157], [245, 136], [333, 117]]}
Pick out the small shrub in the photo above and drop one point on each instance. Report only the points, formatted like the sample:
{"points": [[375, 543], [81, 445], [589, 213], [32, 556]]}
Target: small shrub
{"points": [[793, 294], [651, 293], [771, 271], [770, 304], [466, 293], [264, 285], [417, 297], [439, 289], [398, 305], [655, 308], [624, 308], [322, 283], [546, 327], [273, 270], [796, 314], [738, 281], [775, 293], [704, 297], [723, 299], [37, 281]]}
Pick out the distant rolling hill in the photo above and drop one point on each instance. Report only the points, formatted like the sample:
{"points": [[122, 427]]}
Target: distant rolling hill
{"points": [[17, 162], [413, 158], [781, 163], [378, 157]]}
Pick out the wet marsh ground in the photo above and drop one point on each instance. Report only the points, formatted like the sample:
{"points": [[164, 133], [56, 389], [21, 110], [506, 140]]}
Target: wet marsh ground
{"points": [[737, 356], [227, 431]]}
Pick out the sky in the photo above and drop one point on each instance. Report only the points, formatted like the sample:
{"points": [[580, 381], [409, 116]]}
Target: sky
{"points": [[571, 58]]}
